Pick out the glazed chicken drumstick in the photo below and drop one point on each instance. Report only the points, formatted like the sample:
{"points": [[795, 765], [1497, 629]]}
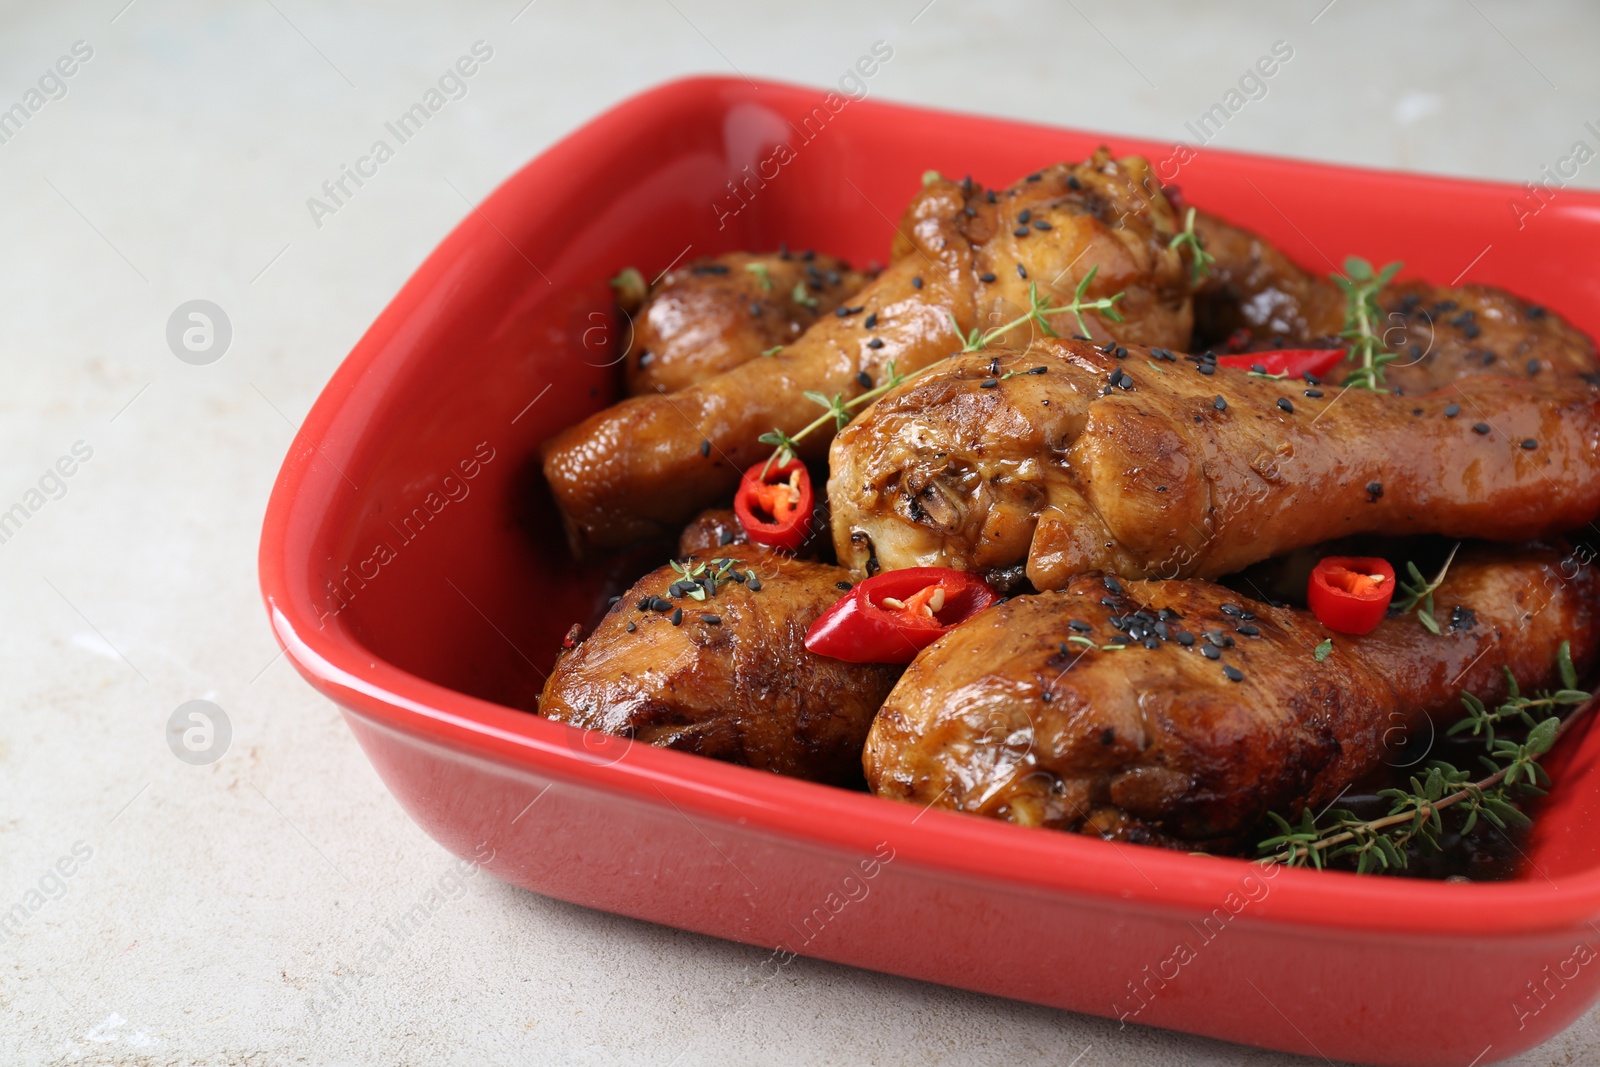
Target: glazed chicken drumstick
{"points": [[1439, 333], [1071, 457], [725, 675], [1216, 711], [713, 314], [963, 255]]}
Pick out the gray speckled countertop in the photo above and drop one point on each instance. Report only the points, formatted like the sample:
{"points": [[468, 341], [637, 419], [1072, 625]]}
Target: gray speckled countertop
{"points": [[206, 905]]}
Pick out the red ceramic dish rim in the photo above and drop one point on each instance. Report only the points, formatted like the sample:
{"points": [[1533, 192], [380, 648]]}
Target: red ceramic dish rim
{"points": [[953, 845]]}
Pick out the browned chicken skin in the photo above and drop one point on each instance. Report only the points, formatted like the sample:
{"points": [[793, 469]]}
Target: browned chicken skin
{"points": [[1075, 458], [1439, 333], [1003, 717], [644, 466], [732, 678], [716, 313], [710, 530]]}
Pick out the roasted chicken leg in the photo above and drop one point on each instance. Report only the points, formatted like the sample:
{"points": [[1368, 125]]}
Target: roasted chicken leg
{"points": [[1075, 458], [713, 314], [1438, 333], [727, 676], [964, 259], [1216, 711]]}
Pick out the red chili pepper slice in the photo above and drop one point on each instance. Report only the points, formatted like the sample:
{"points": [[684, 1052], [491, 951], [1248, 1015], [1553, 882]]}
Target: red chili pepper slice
{"points": [[1295, 362], [892, 616], [1350, 594], [774, 504]]}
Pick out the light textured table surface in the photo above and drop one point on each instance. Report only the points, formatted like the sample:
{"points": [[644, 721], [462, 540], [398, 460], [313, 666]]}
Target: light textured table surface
{"points": [[209, 904]]}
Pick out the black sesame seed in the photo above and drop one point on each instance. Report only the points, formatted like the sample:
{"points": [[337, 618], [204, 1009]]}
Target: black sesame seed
{"points": [[1481, 428], [1231, 609], [875, 343], [711, 620], [726, 538], [986, 276], [1122, 639], [1112, 585], [1022, 272], [1534, 366], [632, 626], [613, 602], [755, 309], [843, 587], [871, 321], [1035, 177], [1108, 736], [1374, 489], [1530, 444], [1211, 651], [988, 383], [916, 283], [1079, 625], [1040, 224], [661, 604], [705, 447], [1040, 370], [1185, 638], [1248, 629], [845, 312], [755, 584], [1107, 602], [1024, 215], [1220, 404], [1152, 641], [864, 380], [1314, 394], [1285, 404], [1536, 312], [1233, 674], [1206, 368], [1073, 182], [677, 616], [1416, 411], [1452, 411], [1021, 231]]}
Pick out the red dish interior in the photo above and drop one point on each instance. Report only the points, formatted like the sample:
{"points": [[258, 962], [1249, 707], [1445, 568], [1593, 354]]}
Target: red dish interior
{"points": [[414, 569]]}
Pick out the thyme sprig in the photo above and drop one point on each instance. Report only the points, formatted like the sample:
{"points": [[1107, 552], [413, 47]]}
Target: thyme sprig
{"points": [[1420, 591], [1200, 263], [838, 409], [761, 273], [1039, 307], [1079, 639], [1481, 720], [1415, 814], [1361, 286]]}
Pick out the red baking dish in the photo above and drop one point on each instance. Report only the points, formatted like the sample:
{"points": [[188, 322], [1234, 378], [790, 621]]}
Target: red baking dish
{"points": [[414, 571]]}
